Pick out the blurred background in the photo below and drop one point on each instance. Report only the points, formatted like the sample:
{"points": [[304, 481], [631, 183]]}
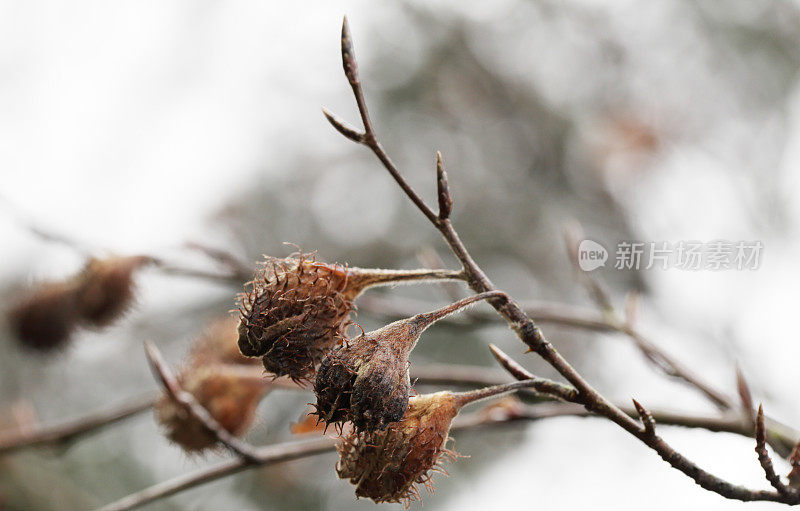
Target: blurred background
{"points": [[139, 127]]}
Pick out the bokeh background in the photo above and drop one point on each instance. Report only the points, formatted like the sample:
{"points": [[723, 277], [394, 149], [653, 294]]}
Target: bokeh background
{"points": [[138, 127]]}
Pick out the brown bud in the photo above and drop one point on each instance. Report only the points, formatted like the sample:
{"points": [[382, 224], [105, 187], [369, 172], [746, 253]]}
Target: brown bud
{"points": [[794, 461], [296, 310], [366, 380], [387, 465], [229, 393], [46, 318], [107, 288]]}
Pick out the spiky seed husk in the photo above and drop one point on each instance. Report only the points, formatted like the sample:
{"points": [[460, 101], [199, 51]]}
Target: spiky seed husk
{"points": [[294, 312], [96, 296], [366, 380], [230, 397], [387, 466], [219, 344], [229, 385], [46, 318], [297, 309], [107, 288]]}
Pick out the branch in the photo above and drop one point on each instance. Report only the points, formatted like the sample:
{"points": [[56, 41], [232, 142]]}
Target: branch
{"points": [[72, 430], [192, 407], [300, 449], [263, 456], [526, 329]]}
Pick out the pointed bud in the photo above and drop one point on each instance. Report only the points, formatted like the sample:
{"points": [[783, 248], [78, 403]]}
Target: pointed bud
{"points": [[348, 55], [443, 188]]}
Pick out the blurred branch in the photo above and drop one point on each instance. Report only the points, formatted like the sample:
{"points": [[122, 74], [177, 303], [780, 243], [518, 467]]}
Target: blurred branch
{"points": [[262, 456], [72, 430], [235, 271]]}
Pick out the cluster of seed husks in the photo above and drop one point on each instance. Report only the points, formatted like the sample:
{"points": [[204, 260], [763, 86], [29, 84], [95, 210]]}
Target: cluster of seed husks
{"points": [[228, 385], [95, 297], [294, 315]]}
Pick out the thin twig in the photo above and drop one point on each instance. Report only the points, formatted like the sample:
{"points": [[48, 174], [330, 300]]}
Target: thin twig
{"points": [[525, 328], [262, 456], [74, 429], [192, 407]]}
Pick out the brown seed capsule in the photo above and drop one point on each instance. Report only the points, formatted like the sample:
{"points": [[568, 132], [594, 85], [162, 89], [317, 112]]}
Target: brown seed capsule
{"points": [[219, 344], [366, 380], [107, 288], [96, 296], [297, 309], [229, 385], [230, 393], [387, 466], [46, 318]]}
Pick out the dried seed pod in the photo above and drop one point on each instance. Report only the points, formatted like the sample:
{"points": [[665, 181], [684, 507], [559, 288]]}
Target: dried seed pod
{"points": [[229, 385], [46, 318], [219, 344], [97, 295], [107, 288], [387, 466], [366, 380], [297, 309], [229, 393]]}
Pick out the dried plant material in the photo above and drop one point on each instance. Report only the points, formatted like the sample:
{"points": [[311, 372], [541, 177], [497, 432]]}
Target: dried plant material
{"points": [[219, 344], [49, 314], [366, 380], [229, 394], [228, 385], [388, 465], [47, 317], [297, 309], [107, 288]]}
